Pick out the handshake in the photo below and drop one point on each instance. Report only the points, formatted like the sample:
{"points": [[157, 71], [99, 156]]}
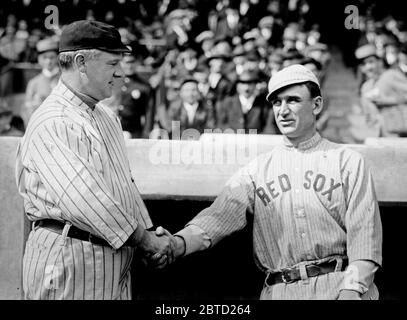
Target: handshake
{"points": [[160, 248]]}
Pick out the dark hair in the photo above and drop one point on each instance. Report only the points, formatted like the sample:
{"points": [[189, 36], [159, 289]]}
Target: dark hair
{"points": [[313, 89]]}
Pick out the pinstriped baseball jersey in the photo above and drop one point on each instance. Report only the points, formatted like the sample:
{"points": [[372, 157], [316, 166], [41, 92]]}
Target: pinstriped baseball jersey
{"points": [[310, 203], [72, 166]]}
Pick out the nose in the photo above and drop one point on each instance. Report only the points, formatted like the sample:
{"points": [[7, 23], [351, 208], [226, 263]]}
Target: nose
{"points": [[119, 73], [284, 110]]}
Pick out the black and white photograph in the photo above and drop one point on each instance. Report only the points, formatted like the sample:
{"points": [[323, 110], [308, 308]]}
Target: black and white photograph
{"points": [[199, 157]]}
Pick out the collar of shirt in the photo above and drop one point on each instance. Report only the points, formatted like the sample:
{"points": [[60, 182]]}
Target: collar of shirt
{"points": [[304, 145], [191, 110], [247, 103], [89, 101]]}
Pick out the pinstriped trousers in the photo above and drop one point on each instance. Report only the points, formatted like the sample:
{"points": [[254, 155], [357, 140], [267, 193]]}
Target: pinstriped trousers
{"points": [[57, 268]]}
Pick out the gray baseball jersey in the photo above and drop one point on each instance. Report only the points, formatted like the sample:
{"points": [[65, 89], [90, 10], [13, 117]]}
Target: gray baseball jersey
{"points": [[310, 203]]}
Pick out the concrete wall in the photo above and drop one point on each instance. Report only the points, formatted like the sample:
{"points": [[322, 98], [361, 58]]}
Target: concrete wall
{"points": [[186, 181], [13, 225]]}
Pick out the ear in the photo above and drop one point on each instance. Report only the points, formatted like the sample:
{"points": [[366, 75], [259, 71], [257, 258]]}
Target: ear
{"points": [[79, 60], [318, 105]]}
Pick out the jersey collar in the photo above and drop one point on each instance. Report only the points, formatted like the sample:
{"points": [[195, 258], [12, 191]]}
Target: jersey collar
{"points": [[304, 145], [83, 98]]}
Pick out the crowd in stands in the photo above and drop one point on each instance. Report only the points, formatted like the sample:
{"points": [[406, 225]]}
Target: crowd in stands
{"points": [[382, 74], [203, 63]]}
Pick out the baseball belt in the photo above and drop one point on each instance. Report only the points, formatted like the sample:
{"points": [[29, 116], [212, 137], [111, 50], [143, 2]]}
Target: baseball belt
{"points": [[74, 232], [289, 275]]}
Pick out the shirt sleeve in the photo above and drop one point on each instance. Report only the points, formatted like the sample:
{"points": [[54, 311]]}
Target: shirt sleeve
{"points": [[195, 239], [226, 215], [359, 276], [60, 153], [362, 217]]}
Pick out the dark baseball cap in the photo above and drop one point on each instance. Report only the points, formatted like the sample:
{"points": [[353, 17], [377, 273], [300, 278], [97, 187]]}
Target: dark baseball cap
{"points": [[86, 34]]}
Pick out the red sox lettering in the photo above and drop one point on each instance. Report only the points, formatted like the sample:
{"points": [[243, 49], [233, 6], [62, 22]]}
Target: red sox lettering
{"points": [[316, 181]]}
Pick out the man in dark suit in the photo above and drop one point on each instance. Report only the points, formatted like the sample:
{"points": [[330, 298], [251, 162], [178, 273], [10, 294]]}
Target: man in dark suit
{"points": [[135, 101], [190, 110], [219, 85], [247, 109]]}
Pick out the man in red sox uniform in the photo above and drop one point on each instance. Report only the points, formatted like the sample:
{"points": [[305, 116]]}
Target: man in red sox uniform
{"points": [[317, 232], [73, 172]]}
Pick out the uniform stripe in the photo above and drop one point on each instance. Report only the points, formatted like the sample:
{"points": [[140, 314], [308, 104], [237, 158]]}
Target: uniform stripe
{"points": [[72, 164], [312, 203]]}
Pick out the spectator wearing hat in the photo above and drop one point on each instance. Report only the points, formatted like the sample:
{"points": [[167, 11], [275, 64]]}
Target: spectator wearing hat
{"points": [[39, 87], [206, 40], [384, 93], [247, 109], [289, 38], [391, 53], [73, 172], [224, 20], [275, 61], [318, 51], [270, 30], [134, 101], [219, 84], [292, 56], [190, 110], [401, 61]]}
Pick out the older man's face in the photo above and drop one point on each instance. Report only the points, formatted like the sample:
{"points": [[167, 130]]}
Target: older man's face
{"points": [[102, 73]]}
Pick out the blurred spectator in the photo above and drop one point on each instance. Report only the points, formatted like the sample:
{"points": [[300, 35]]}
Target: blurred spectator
{"points": [[383, 94], [401, 61], [213, 41], [11, 47], [10, 125], [219, 85], [30, 54], [133, 101], [190, 109], [39, 87], [224, 20], [206, 40], [391, 52], [247, 109], [319, 52], [275, 61]]}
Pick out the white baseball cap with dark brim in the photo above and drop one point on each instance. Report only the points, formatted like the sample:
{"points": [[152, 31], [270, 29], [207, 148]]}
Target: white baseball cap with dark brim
{"points": [[294, 74]]}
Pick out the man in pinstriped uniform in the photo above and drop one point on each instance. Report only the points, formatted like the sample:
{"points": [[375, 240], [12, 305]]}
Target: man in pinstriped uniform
{"points": [[73, 173], [317, 232]]}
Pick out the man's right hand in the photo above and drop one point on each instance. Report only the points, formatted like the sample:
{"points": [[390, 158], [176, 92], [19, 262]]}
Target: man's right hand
{"points": [[158, 250]]}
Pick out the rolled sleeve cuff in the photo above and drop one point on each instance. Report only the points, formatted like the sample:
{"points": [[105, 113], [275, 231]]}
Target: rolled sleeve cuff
{"points": [[123, 235], [196, 239]]}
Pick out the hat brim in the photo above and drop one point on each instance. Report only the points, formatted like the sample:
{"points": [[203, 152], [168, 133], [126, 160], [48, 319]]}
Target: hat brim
{"points": [[247, 81], [286, 84], [123, 49], [225, 58], [367, 56]]}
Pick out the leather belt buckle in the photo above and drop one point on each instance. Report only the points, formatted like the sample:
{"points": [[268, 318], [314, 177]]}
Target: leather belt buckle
{"points": [[286, 276]]}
